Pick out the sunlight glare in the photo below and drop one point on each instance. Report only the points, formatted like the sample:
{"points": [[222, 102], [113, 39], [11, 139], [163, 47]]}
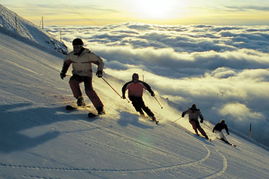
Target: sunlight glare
{"points": [[154, 9]]}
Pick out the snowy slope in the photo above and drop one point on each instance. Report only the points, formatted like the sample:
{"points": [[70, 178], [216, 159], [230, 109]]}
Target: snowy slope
{"points": [[16, 26], [39, 139]]}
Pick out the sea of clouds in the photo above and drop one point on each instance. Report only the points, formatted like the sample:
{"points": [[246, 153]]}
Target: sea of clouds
{"points": [[222, 69]]}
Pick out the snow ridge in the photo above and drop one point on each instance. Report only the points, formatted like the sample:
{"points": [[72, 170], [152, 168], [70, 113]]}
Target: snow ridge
{"points": [[12, 23]]}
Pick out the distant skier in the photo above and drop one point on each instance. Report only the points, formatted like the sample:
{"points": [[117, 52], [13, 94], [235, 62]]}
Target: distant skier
{"points": [[194, 113], [218, 129], [135, 93], [81, 59]]}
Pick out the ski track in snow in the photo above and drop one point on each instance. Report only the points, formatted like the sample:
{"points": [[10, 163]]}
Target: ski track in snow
{"points": [[156, 167], [224, 168]]}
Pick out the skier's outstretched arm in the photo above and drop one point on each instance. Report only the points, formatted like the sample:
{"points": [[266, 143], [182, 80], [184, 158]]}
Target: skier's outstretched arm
{"points": [[184, 113], [226, 128], [214, 129], [99, 62], [201, 117], [123, 89], [148, 88], [65, 67]]}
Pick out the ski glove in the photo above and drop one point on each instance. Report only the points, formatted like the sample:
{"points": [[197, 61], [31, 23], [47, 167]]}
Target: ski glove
{"points": [[152, 94], [202, 121], [62, 75], [99, 74]]}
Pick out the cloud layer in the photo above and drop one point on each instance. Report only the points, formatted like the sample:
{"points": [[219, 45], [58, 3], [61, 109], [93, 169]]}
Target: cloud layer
{"points": [[223, 69]]}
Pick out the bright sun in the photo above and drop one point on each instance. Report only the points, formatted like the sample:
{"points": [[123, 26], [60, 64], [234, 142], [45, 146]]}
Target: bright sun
{"points": [[154, 9]]}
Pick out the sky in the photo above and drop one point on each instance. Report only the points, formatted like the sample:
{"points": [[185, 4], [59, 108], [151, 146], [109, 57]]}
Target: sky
{"points": [[173, 12]]}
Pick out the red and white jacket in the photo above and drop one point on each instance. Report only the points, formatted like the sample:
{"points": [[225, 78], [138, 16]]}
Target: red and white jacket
{"points": [[136, 88]]}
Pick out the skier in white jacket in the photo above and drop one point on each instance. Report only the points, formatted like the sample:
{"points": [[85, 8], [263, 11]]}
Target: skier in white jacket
{"points": [[81, 59], [194, 113]]}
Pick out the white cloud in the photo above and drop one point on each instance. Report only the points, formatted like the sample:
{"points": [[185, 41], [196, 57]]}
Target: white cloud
{"points": [[223, 69], [239, 111]]}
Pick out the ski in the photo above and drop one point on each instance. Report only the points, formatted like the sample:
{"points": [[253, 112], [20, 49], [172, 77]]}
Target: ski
{"points": [[87, 108], [228, 143], [156, 121], [234, 145], [74, 107], [152, 120], [197, 136], [92, 115]]}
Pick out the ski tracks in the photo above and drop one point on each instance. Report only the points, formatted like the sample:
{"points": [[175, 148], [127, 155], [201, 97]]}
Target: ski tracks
{"points": [[224, 160], [156, 166], [222, 170]]}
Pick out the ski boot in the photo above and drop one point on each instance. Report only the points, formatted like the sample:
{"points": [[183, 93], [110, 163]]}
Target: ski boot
{"points": [[154, 119], [142, 114], [100, 110], [80, 101]]}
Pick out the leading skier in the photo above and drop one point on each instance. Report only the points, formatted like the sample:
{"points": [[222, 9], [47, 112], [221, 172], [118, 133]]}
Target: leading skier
{"points": [[81, 59]]}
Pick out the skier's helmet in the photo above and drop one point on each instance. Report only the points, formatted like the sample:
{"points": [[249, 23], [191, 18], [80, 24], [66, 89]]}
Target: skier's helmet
{"points": [[135, 75], [193, 107], [77, 41]]}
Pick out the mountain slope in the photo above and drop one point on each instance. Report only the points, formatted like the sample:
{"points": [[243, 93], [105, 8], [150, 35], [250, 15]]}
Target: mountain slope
{"points": [[16, 26], [39, 139]]}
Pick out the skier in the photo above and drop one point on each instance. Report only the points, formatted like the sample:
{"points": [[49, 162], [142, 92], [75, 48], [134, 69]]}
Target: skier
{"points": [[135, 93], [81, 59], [194, 113], [218, 129]]}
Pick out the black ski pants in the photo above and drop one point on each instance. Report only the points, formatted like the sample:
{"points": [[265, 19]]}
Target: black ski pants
{"points": [[140, 106]]}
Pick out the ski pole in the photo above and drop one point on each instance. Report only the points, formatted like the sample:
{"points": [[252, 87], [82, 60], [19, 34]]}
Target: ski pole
{"points": [[113, 89], [207, 125], [176, 120], [158, 102]]}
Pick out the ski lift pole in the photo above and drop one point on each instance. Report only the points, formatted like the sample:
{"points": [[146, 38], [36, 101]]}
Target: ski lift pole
{"points": [[113, 89], [158, 102]]}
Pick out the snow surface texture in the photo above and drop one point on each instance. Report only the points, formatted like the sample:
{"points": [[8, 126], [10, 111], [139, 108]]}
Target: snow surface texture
{"points": [[14, 25]]}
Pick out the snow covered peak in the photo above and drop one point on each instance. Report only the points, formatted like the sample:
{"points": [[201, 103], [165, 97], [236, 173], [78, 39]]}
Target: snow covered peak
{"points": [[14, 25]]}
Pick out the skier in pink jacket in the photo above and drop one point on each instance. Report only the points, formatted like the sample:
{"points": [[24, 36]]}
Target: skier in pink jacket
{"points": [[81, 59], [135, 92]]}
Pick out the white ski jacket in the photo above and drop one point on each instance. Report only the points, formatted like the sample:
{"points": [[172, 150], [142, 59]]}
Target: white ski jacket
{"points": [[81, 64], [193, 114]]}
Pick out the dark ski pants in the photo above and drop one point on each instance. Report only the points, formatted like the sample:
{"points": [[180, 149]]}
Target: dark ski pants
{"points": [[222, 136], [74, 82], [196, 126], [140, 106]]}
